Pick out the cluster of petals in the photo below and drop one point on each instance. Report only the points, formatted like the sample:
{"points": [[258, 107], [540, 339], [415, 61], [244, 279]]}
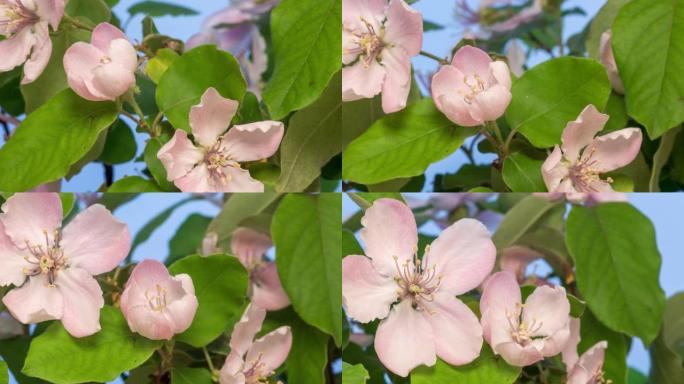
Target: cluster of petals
{"points": [[524, 333], [105, 68], [577, 164], [378, 41], [212, 161], [608, 61], [53, 268], [25, 24], [265, 289], [421, 318], [473, 89], [156, 304], [250, 360], [588, 368]]}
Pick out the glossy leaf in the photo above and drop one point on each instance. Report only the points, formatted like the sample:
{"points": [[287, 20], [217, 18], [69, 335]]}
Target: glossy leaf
{"points": [[525, 216], [236, 209], [487, 368], [120, 145], [187, 375], [602, 22], [523, 174], [354, 374], [133, 184], [159, 8], [666, 352]]}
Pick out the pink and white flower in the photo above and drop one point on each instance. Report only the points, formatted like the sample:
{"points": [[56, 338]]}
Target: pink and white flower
{"points": [[587, 369], [577, 164], [25, 26], [608, 61], [254, 361], [265, 289], [473, 89], [378, 42], [421, 318], [53, 268], [212, 162], [524, 333], [105, 68], [156, 304]]}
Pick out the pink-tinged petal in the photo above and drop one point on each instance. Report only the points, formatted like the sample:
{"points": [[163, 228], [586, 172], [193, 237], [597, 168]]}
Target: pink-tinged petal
{"points": [[31, 217], [239, 181], [35, 301], [40, 55], [366, 294], [241, 339], [179, 156], [183, 305], [500, 73], [458, 331], [389, 234], [211, 117], [249, 245], [570, 356], [272, 349], [50, 10], [606, 197], [463, 255], [12, 262], [200, 39], [608, 61], [104, 34], [254, 141], [445, 86], [231, 372], [122, 52], [516, 58], [112, 80], [197, 180], [580, 133], [515, 259], [404, 27], [616, 149], [500, 295], [209, 244], [359, 81], [96, 241], [553, 170], [355, 12], [79, 62], [493, 102], [547, 307], [348, 45], [472, 61], [16, 49], [267, 290], [395, 89], [554, 343], [82, 302], [405, 340], [517, 355], [591, 361]]}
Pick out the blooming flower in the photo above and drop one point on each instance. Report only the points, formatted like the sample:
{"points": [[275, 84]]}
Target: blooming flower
{"points": [[416, 298], [608, 61], [254, 361], [473, 89], [25, 26], [104, 69], [576, 166], [52, 268], [213, 163], [524, 333], [378, 41], [265, 289], [587, 369], [156, 304]]}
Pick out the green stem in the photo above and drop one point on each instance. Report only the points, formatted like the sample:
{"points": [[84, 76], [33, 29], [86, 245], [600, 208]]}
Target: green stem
{"points": [[509, 139], [661, 156], [434, 57], [208, 358], [129, 98], [76, 23]]}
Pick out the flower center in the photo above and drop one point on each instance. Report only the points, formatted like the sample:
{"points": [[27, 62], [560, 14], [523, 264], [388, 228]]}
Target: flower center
{"points": [[105, 60], [256, 373], [598, 378], [369, 44], [46, 260], [217, 159], [582, 174], [475, 86], [417, 280], [14, 17], [521, 332], [157, 298]]}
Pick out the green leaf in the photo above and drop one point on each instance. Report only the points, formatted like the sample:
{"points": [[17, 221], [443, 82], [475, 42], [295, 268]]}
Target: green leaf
{"points": [[467, 177], [350, 246], [92, 12], [187, 375], [312, 139], [636, 377], [68, 201], [236, 209], [158, 65], [601, 23], [615, 108], [668, 365], [650, 63], [146, 231], [133, 184], [523, 218], [617, 272], [359, 115], [306, 37], [662, 156], [487, 368], [155, 166], [188, 237], [307, 234], [250, 110], [220, 286], [51, 139], [11, 99], [120, 146], [431, 26], [14, 351], [159, 8], [402, 144], [4, 372], [591, 332], [354, 374], [186, 80], [540, 113], [58, 357], [523, 174]]}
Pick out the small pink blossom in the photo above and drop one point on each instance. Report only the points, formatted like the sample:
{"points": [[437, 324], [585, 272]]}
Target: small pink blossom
{"points": [[105, 68], [473, 89], [515, 260], [254, 361], [587, 369], [577, 164], [156, 304], [211, 162], [25, 26], [421, 318], [608, 61], [524, 333], [515, 54], [52, 268], [265, 289], [378, 42]]}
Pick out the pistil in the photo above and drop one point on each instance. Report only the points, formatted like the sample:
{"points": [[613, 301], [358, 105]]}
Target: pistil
{"points": [[47, 260], [417, 279]]}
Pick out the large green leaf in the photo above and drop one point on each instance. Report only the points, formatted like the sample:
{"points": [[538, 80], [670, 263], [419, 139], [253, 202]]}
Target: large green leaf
{"points": [[667, 352], [650, 63], [487, 368], [617, 263], [120, 145], [553, 93], [220, 286], [307, 234], [602, 22], [51, 139], [188, 237], [402, 144], [58, 357], [91, 12], [312, 139], [591, 332], [187, 375], [306, 37], [354, 374], [14, 351], [359, 115], [523, 174], [133, 184], [159, 8], [237, 208], [523, 218], [190, 75]]}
